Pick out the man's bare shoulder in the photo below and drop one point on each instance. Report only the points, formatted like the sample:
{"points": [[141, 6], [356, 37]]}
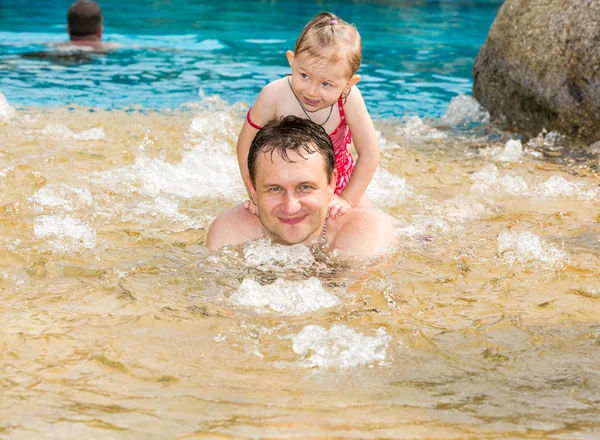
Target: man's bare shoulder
{"points": [[234, 226], [364, 232]]}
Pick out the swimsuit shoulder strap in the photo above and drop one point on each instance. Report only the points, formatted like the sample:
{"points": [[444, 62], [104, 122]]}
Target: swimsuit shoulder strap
{"points": [[252, 124], [341, 108]]}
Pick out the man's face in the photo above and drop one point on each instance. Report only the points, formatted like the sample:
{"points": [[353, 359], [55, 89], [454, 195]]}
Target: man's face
{"points": [[292, 198]]}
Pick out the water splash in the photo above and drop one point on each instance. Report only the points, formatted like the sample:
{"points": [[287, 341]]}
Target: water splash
{"points": [[265, 255], [414, 127], [525, 247], [387, 189], [60, 195], [285, 297], [557, 186], [64, 234], [6, 111], [340, 347], [62, 132], [487, 179], [464, 110]]}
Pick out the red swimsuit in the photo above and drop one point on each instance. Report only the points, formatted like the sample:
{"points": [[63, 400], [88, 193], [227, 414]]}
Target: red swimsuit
{"points": [[340, 137]]}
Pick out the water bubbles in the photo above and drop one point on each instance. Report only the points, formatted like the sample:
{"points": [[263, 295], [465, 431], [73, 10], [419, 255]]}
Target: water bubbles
{"points": [[525, 247], [464, 110], [265, 255], [60, 131], [6, 111], [414, 127], [66, 234], [487, 179], [340, 347], [285, 297], [387, 189], [557, 186], [60, 195], [513, 152]]}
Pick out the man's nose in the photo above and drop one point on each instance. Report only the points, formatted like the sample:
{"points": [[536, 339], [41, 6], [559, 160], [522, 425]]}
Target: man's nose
{"points": [[290, 205]]}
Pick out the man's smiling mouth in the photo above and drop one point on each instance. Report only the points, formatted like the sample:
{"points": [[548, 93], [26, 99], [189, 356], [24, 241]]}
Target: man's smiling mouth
{"points": [[291, 220]]}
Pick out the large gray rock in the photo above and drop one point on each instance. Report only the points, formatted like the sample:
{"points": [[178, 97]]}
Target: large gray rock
{"points": [[540, 67]]}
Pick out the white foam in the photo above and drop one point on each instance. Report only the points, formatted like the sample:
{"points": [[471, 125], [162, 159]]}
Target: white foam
{"points": [[525, 247], [64, 233], [264, 255], [558, 186], [546, 139], [463, 209], [60, 195], [487, 179], [388, 189], [200, 174], [414, 127], [6, 111], [162, 208], [285, 297], [423, 225], [5, 171], [513, 152], [384, 144], [487, 175], [60, 131], [340, 347], [464, 109], [90, 134]]}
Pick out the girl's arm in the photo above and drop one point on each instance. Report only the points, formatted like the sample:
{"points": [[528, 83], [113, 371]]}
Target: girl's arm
{"points": [[262, 112], [366, 145]]}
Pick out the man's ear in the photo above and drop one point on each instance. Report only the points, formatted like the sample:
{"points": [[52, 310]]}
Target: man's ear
{"points": [[352, 82], [333, 181], [290, 57], [251, 189]]}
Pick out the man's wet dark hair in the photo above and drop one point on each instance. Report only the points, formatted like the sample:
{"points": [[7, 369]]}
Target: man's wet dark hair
{"points": [[291, 133], [84, 18]]}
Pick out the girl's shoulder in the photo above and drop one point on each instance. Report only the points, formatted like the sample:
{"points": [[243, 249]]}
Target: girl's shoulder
{"points": [[276, 87], [354, 97]]}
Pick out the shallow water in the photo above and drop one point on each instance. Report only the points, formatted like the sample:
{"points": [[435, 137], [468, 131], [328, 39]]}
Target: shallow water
{"points": [[118, 323]]}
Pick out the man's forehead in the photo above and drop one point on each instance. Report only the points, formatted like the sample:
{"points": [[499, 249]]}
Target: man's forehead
{"points": [[273, 160]]}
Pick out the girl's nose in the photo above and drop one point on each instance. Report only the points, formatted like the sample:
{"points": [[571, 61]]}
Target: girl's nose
{"points": [[312, 89]]}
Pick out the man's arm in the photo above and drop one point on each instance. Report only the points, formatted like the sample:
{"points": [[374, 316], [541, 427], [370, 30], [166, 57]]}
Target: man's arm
{"points": [[234, 226]]}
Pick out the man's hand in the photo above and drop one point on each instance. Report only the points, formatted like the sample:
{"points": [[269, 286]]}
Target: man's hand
{"points": [[338, 206], [250, 206]]}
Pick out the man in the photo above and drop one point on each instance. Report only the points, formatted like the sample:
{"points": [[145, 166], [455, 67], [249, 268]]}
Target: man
{"points": [[292, 177], [85, 23]]}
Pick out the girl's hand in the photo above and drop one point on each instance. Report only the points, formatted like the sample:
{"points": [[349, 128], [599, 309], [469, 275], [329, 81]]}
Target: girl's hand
{"points": [[250, 206], [338, 206]]}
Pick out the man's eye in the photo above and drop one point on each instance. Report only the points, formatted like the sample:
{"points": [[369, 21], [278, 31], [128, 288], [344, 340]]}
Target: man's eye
{"points": [[305, 188], [275, 189]]}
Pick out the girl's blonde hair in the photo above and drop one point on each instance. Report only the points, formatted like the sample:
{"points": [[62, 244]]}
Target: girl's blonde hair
{"points": [[328, 36]]}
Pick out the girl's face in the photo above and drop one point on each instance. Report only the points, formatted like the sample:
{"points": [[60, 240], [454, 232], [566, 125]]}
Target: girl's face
{"points": [[317, 83]]}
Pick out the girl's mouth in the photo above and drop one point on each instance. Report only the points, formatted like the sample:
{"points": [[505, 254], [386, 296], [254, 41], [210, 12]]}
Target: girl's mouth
{"points": [[310, 102]]}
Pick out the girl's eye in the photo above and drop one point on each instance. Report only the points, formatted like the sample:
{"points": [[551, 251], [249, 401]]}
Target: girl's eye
{"points": [[326, 84], [304, 75]]}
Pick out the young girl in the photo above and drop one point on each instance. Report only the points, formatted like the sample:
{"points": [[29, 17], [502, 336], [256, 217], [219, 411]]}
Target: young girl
{"points": [[322, 88]]}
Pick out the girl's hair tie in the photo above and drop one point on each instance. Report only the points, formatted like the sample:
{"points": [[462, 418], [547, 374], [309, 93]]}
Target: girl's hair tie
{"points": [[334, 21]]}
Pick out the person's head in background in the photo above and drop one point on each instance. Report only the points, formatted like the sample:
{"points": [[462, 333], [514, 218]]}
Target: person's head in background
{"points": [[85, 22]]}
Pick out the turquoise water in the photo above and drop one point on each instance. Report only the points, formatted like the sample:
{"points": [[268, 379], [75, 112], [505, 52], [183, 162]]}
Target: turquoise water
{"points": [[417, 54]]}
